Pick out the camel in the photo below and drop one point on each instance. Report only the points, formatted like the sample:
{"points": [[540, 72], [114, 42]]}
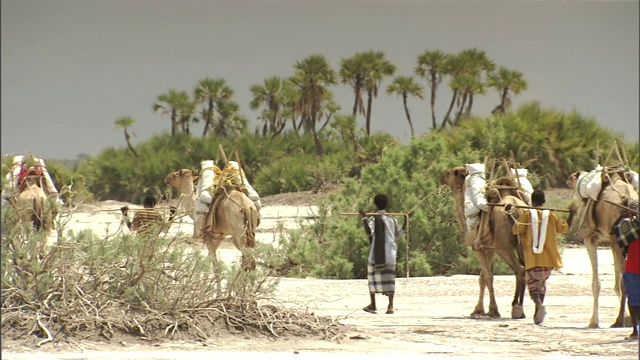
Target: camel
{"points": [[501, 240], [235, 216], [598, 219], [33, 206]]}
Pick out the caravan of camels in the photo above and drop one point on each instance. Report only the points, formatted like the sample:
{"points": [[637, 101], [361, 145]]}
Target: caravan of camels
{"points": [[222, 204]]}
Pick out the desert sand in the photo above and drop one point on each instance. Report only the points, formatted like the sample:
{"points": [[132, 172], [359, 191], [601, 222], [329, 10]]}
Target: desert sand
{"points": [[431, 313]]}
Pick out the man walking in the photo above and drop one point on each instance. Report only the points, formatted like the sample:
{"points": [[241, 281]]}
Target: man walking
{"points": [[383, 232], [538, 229]]}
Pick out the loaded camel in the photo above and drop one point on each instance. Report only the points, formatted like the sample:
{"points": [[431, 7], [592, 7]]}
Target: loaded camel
{"points": [[235, 215], [33, 206], [498, 240], [598, 219]]}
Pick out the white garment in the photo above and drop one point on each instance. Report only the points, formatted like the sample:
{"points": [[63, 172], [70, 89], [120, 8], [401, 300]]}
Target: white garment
{"points": [[391, 232], [539, 236]]}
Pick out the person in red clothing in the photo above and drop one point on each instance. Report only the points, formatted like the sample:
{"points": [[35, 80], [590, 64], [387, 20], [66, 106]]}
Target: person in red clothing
{"points": [[627, 231]]}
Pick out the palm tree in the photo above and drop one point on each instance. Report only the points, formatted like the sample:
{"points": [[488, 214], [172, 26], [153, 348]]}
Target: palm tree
{"points": [[405, 86], [271, 95], [453, 67], [174, 103], [312, 77], [466, 85], [376, 68], [507, 82], [466, 70], [212, 94], [125, 122], [352, 73], [431, 66], [230, 121]]}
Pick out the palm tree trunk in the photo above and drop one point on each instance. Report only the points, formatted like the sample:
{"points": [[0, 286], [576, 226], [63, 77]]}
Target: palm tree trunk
{"points": [[446, 117], [355, 103], [434, 86], [503, 99], [459, 115], [468, 112], [406, 111], [369, 102], [128, 139], [208, 118], [173, 123]]}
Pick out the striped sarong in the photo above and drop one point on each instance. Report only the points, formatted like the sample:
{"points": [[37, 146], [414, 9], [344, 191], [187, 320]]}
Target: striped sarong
{"points": [[536, 279], [381, 280]]}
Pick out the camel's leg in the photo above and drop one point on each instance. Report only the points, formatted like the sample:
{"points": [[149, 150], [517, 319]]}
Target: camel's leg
{"points": [[517, 312], [212, 242], [488, 278], [618, 265], [479, 309], [591, 243]]}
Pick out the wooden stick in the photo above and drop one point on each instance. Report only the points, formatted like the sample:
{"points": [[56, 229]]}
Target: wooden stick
{"points": [[624, 207], [375, 214], [515, 168], [597, 153], [624, 155], [529, 207], [618, 151]]}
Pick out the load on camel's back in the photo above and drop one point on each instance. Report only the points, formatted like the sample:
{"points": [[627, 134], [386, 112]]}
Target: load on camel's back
{"points": [[222, 204], [32, 193]]}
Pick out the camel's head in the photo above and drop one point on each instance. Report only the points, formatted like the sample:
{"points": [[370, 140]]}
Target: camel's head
{"points": [[176, 178], [454, 177], [572, 181]]}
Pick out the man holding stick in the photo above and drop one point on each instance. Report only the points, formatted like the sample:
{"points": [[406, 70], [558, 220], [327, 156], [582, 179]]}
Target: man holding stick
{"points": [[537, 229], [383, 232]]}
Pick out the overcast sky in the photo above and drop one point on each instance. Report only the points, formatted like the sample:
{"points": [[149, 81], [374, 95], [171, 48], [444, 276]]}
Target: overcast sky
{"points": [[70, 68]]}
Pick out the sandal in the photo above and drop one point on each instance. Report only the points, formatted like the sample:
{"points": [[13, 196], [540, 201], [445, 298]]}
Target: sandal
{"points": [[369, 310]]}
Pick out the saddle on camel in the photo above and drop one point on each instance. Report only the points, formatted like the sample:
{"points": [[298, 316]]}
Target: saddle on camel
{"points": [[31, 191]]}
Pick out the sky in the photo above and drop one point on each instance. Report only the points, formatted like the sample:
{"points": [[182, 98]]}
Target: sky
{"points": [[70, 68]]}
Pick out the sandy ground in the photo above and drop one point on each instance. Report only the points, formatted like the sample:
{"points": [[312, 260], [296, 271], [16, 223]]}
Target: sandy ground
{"points": [[431, 317]]}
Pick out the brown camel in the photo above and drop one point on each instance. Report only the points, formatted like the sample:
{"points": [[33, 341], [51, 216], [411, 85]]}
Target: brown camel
{"points": [[33, 206], [236, 216], [598, 219], [499, 240]]}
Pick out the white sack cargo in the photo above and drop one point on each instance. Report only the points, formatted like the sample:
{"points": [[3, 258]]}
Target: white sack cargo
{"points": [[474, 197], [635, 181], [50, 188], [205, 185], [11, 185], [525, 184], [251, 193], [589, 184]]}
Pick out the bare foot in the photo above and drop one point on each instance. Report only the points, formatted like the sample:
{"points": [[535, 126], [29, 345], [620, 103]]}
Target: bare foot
{"points": [[369, 309]]}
